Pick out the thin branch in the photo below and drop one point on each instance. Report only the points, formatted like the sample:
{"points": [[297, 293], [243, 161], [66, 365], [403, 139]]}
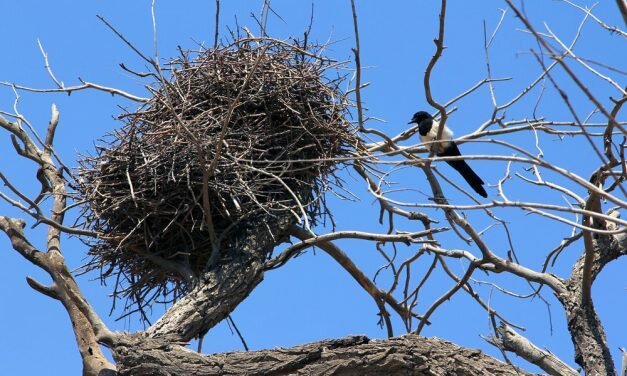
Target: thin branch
{"points": [[446, 296], [47, 65], [231, 322], [407, 238], [127, 42], [217, 28], [566, 68], [583, 63], [84, 86], [588, 11], [357, 51], [338, 255], [439, 49]]}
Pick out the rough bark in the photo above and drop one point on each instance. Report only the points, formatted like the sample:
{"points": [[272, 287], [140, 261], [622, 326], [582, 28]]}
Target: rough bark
{"points": [[509, 340], [357, 355], [591, 349]]}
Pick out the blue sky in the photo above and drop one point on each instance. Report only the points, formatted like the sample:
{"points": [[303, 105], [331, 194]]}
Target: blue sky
{"points": [[312, 297]]}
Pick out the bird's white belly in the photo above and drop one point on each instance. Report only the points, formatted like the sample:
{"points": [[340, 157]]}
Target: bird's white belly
{"points": [[428, 139]]}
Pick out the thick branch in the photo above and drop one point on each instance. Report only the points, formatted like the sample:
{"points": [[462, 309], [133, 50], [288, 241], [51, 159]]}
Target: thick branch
{"points": [[509, 340], [358, 355], [88, 328], [591, 348]]}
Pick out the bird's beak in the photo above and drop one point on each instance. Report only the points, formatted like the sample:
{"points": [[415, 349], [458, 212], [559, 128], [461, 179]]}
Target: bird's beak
{"points": [[411, 122]]}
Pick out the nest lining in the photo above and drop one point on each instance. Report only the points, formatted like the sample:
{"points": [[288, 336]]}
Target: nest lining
{"points": [[238, 135]]}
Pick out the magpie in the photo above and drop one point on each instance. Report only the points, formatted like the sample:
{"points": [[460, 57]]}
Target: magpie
{"points": [[428, 129]]}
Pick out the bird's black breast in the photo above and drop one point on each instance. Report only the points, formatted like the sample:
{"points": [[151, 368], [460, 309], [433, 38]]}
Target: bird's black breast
{"points": [[425, 126]]}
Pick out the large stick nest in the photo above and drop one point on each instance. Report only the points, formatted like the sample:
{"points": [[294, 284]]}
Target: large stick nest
{"points": [[236, 136]]}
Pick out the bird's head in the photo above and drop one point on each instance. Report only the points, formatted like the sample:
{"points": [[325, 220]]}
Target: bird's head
{"points": [[419, 117], [424, 121]]}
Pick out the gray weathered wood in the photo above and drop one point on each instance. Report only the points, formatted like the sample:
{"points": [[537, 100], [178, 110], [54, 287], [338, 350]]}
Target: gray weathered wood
{"points": [[357, 355]]}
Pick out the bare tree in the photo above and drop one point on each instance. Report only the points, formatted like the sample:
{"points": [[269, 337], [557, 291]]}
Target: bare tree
{"points": [[418, 230]]}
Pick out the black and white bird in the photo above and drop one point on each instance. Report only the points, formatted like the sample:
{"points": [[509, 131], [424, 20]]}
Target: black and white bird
{"points": [[428, 129]]}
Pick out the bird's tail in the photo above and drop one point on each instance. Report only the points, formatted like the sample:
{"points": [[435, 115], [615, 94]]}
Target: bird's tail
{"points": [[471, 177]]}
